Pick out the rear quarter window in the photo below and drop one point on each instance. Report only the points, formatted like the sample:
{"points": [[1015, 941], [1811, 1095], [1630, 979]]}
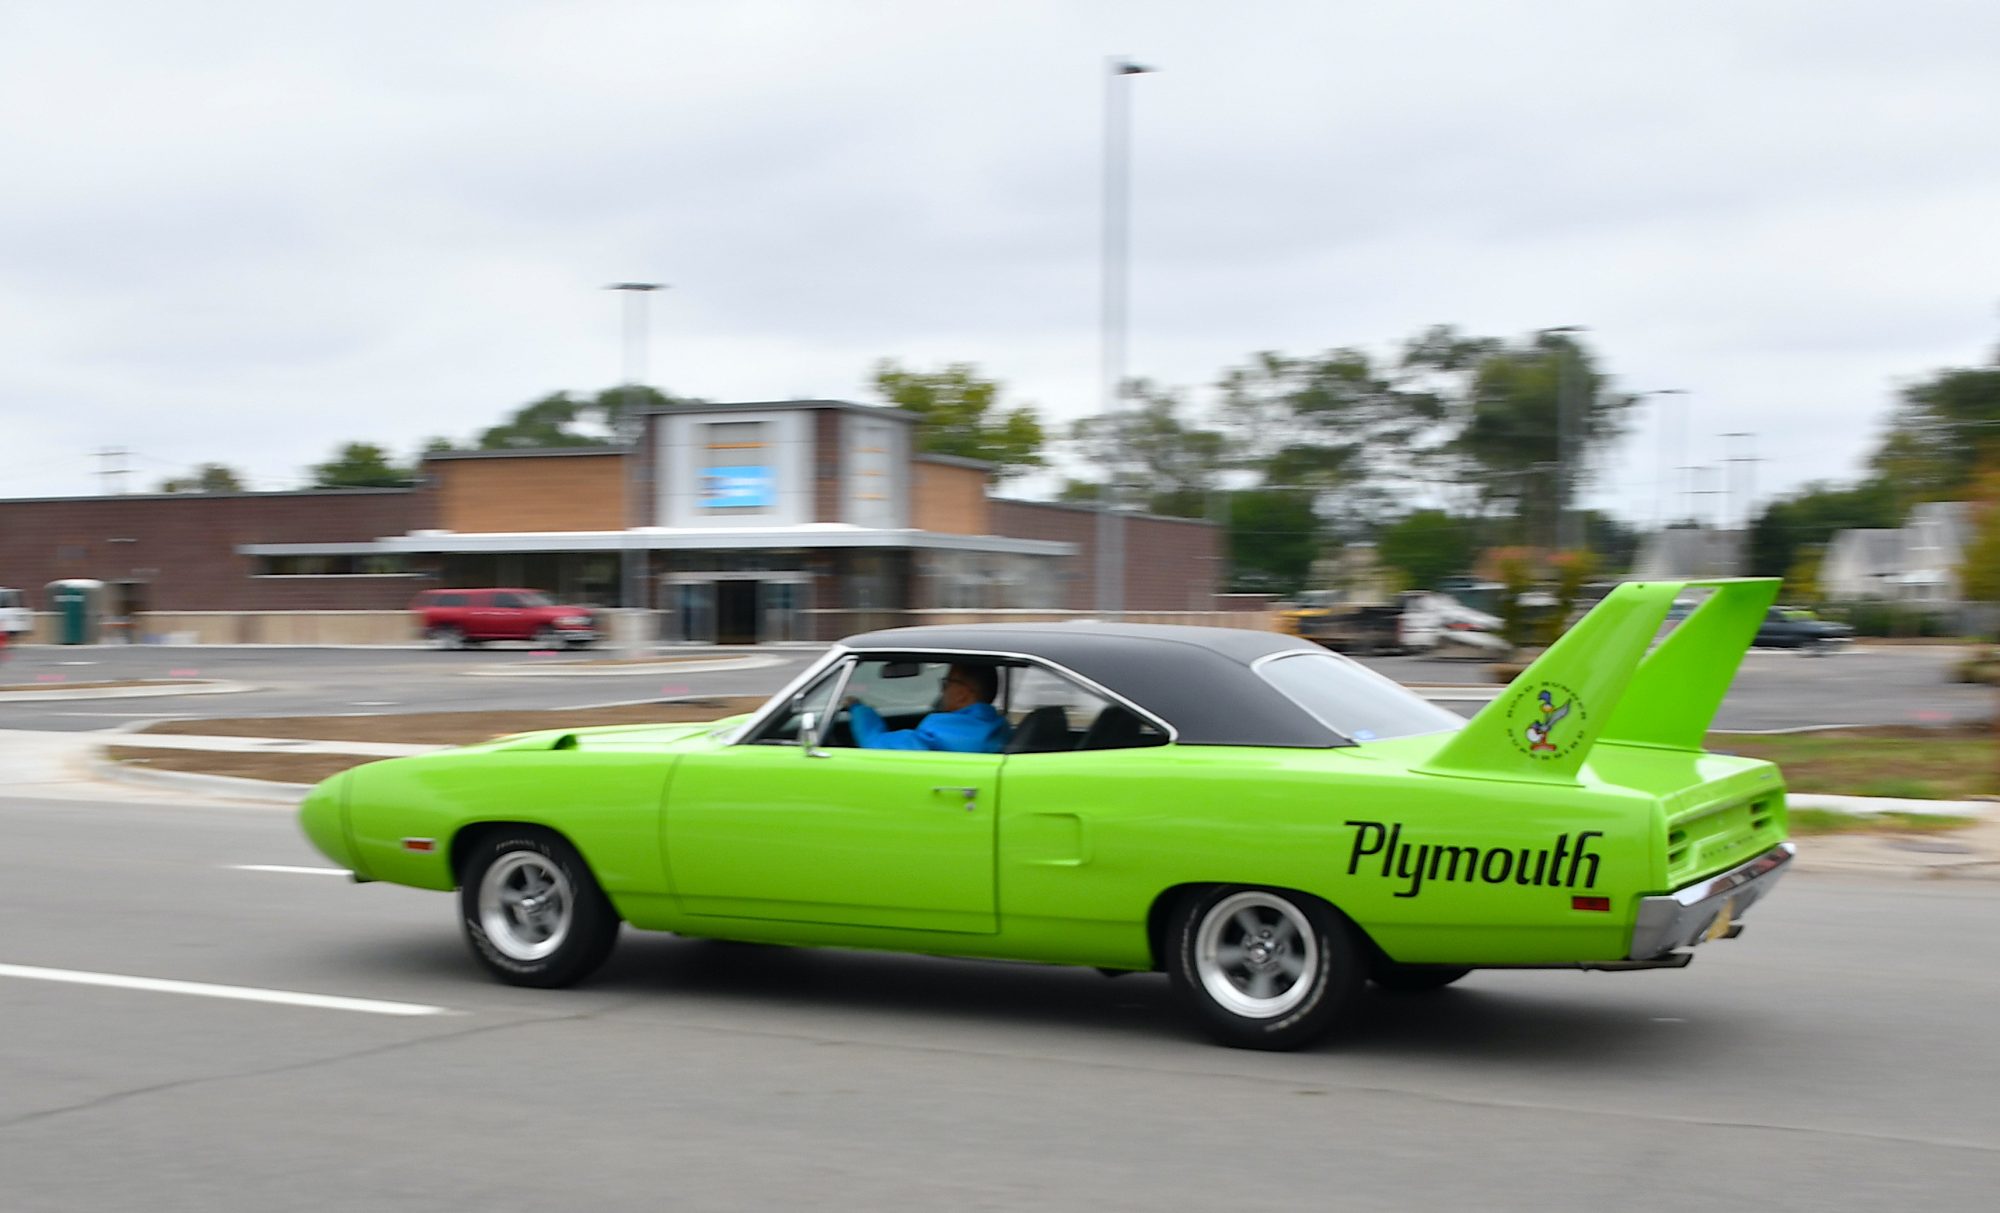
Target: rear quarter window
{"points": [[1353, 700]]}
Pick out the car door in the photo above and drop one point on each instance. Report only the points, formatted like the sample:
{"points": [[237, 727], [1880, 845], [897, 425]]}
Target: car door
{"points": [[773, 828]]}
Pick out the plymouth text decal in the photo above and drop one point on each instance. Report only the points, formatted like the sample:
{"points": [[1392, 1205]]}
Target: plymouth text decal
{"points": [[1567, 865]]}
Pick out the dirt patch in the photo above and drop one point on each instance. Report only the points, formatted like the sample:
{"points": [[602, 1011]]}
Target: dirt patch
{"points": [[410, 728], [453, 728], [278, 768], [102, 686]]}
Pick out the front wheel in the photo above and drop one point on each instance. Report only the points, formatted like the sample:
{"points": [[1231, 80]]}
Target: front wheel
{"points": [[1264, 968], [445, 638], [532, 912]]}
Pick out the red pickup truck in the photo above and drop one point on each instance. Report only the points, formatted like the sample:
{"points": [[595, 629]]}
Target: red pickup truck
{"points": [[452, 619]]}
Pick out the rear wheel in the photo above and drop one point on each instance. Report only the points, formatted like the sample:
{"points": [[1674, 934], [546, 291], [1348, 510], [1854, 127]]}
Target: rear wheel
{"points": [[532, 912], [1263, 968], [445, 638]]}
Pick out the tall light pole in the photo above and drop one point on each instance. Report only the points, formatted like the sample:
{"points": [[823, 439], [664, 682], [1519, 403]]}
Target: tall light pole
{"points": [[1563, 352], [630, 429], [1117, 155]]}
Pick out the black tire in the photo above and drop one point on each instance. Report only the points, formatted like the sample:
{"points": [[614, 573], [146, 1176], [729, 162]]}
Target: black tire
{"points": [[1256, 1001], [532, 912], [1393, 978], [445, 638], [547, 638]]}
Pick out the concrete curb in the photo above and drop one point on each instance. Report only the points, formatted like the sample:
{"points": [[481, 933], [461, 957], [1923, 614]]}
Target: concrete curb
{"points": [[1869, 806], [228, 787], [193, 687]]}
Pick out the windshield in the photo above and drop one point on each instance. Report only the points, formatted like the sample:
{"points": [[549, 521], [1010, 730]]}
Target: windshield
{"points": [[529, 598], [1353, 700]]}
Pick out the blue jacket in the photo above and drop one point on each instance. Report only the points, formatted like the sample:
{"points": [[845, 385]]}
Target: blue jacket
{"points": [[974, 729]]}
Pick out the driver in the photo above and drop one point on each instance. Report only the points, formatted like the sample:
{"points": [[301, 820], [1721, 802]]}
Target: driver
{"points": [[965, 723]]}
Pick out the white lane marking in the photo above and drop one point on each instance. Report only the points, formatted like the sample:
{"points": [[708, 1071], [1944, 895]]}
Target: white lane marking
{"points": [[290, 998], [279, 867], [375, 703]]}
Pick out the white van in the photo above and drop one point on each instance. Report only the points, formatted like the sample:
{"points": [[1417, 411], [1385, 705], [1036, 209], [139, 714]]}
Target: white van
{"points": [[15, 618]]}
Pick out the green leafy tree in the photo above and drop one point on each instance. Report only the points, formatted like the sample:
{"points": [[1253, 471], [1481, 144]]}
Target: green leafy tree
{"points": [[1811, 516], [207, 478], [1511, 437], [960, 414], [1428, 546], [361, 465], [1274, 537], [1802, 579], [1173, 462], [561, 419], [1945, 428], [1338, 422]]}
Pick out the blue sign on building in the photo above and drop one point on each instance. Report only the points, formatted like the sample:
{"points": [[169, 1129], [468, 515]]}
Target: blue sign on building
{"points": [[751, 487]]}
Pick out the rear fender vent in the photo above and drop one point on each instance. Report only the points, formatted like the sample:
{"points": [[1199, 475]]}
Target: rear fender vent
{"points": [[1677, 845]]}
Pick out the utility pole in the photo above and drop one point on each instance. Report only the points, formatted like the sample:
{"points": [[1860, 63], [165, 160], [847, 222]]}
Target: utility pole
{"points": [[630, 430], [113, 469], [1748, 463], [1111, 335], [1564, 353]]}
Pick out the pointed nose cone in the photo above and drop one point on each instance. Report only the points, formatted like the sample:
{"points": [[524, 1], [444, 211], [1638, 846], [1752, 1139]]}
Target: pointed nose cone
{"points": [[323, 817]]}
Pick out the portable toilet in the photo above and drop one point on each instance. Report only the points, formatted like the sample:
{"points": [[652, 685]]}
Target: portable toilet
{"points": [[78, 603]]}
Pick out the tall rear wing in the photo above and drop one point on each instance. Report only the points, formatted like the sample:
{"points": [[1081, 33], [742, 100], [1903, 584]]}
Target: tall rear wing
{"points": [[1599, 682]]}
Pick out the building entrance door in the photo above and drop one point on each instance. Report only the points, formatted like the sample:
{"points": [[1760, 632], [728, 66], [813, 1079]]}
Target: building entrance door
{"points": [[736, 612], [690, 608]]}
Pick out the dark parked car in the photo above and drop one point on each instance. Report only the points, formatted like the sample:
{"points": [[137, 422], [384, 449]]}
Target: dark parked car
{"points": [[1794, 629], [452, 619]]}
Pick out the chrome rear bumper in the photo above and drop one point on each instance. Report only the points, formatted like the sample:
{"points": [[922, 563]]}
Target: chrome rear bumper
{"points": [[1707, 909]]}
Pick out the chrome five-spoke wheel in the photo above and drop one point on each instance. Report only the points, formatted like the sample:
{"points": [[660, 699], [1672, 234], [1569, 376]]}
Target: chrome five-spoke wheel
{"points": [[525, 904], [1256, 954], [531, 909], [1263, 968]]}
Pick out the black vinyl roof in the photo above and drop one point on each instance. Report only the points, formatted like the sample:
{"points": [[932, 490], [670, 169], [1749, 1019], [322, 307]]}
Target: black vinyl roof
{"points": [[1198, 680]]}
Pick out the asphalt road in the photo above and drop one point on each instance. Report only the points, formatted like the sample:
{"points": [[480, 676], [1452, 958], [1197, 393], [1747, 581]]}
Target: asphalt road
{"points": [[1840, 1055], [1773, 690]]}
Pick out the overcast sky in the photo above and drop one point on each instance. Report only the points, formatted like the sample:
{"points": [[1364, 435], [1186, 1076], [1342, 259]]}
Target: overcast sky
{"points": [[249, 232]]}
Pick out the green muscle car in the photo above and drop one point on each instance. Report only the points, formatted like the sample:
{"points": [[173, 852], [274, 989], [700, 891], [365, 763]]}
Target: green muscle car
{"points": [[1271, 824]]}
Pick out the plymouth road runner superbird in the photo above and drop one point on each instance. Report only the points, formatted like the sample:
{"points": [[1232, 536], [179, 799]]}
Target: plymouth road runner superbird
{"points": [[1271, 824]]}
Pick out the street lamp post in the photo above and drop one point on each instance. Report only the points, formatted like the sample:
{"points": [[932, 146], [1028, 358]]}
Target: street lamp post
{"points": [[1564, 440], [630, 429], [1117, 154]]}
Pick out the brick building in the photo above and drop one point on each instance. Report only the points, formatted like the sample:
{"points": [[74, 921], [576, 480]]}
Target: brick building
{"points": [[736, 522]]}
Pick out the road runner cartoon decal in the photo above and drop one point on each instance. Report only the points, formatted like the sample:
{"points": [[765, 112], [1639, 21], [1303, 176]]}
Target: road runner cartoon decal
{"points": [[1539, 720]]}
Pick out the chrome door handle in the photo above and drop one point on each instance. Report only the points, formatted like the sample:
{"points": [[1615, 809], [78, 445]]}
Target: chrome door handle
{"points": [[971, 796]]}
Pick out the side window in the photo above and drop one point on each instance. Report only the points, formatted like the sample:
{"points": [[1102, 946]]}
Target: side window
{"points": [[508, 601], [1049, 713], [783, 727], [448, 600]]}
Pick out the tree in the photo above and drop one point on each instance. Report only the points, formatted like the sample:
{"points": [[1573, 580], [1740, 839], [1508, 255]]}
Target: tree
{"points": [[560, 419], [1522, 398], [1337, 423], [1274, 537], [1811, 516], [1944, 429], [206, 478], [1428, 546], [959, 414], [361, 465], [1176, 463]]}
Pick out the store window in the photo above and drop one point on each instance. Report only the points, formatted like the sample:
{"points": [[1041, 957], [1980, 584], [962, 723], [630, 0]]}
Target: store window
{"points": [[738, 471]]}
